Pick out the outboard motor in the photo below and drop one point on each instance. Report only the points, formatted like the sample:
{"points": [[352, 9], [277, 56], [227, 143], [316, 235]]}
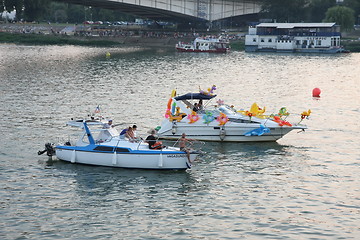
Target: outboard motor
{"points": [[49, 149]]}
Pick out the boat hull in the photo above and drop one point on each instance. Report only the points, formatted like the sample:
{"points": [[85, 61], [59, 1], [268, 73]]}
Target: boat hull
{"points": [[229, 133], [250, 48], [144, 160]]}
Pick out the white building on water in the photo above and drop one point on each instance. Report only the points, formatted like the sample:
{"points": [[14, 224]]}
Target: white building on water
{"points": [[294, 37]]}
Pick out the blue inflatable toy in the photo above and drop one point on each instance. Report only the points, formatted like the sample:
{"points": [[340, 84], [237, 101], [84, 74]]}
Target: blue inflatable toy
{"points": [[258, 131]]}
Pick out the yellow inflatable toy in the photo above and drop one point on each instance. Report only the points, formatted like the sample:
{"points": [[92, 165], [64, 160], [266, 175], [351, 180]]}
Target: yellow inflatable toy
{"points": [[178, 116], [255, 111], [305, 114]]}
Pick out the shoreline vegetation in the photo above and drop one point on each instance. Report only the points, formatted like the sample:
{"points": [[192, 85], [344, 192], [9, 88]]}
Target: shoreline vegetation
{"points": [[50, 35]]}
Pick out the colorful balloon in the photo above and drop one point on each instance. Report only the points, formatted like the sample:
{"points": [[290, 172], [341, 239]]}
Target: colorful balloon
{"points": [[316, 92]]}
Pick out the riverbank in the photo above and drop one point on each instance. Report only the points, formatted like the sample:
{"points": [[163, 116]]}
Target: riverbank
{"points": [[103, 36], [40, 39], [123, 36]]}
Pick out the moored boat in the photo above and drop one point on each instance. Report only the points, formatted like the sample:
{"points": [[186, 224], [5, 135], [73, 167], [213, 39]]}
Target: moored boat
{"points": [[109, 149], [222, 122], [294, 37], [205, 44]]}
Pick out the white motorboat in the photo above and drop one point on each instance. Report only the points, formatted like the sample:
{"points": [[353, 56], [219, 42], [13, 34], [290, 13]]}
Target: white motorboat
{"points": [[205, 44], [109, 149], [222, 122]]}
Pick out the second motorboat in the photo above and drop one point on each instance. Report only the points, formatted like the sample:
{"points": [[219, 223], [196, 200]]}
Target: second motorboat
{"points": [[193, 114]]}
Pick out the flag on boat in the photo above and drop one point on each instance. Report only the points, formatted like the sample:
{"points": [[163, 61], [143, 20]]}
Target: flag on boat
{"points": [[97, 109]]}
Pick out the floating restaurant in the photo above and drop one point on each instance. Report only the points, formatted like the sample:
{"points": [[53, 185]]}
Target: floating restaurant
{"points": [[294, 37]]}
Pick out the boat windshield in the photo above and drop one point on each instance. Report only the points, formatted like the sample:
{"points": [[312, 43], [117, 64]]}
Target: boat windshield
{"points": [[227, 110]]}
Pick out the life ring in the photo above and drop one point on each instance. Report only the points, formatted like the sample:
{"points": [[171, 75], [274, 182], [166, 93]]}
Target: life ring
{"points": [[193, 117], [169, 103], [222, 119], [167, 113]]}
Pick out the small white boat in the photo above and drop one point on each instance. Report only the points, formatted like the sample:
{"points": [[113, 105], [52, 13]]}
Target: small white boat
{"points": [[222, 122], [205, 44], [108, 149]]}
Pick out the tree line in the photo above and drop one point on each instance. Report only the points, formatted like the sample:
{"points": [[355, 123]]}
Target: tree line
{"points": [[344, 12]]}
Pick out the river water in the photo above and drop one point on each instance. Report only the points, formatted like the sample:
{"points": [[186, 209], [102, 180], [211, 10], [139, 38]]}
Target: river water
{"points": [[305, 186]]}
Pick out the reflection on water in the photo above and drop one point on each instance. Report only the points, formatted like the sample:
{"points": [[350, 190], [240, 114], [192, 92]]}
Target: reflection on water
{"points": [[303, 186]]}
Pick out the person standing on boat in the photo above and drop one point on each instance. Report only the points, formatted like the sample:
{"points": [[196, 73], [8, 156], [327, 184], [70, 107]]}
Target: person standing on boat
{"points": [[182, 144]]}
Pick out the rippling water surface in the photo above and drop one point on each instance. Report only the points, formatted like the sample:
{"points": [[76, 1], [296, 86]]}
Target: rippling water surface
{"points": [[305, 186]]}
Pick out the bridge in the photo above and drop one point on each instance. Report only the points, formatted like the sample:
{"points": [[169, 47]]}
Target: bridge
{"points": [[181, 10]]}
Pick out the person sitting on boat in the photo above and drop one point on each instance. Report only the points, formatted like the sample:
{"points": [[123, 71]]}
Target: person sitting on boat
{"points": [[122, 133], [134, 128], [152, 141], [108, 125], [182, 144], [130, 134], [195, 108], [200, 105]]}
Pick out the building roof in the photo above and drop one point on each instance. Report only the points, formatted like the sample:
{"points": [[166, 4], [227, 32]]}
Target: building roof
{"points": [[296, 25]]}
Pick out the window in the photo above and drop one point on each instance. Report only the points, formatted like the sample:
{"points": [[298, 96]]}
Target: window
{"points": [[262, 40], [254, 39], [270, 40]]}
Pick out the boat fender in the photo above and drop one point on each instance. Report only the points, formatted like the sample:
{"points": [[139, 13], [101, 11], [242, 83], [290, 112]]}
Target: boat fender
{"points": [[222, 134], [114, 159], [173, 130], [73, 156]]}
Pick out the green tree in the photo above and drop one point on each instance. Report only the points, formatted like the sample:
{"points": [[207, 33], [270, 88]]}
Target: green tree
{"points": [[34, 10], [17, 5], [284, 10], [76, 13], [317, 9], [354, 5], [343, 16]]}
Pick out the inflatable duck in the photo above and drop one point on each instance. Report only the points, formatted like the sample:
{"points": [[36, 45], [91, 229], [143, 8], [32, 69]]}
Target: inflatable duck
{"points": [[305, 114]]}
